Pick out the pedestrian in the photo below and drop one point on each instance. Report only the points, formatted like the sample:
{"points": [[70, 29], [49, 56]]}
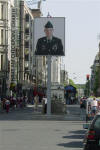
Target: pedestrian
{"points": [[7, 103], [36, 102], [14, 102], [45, 104], [94, 105], [26, 100], [18, 102], [82, 109]]}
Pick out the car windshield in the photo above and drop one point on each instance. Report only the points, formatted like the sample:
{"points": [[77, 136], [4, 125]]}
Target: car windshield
{"points": [[97, 122]]}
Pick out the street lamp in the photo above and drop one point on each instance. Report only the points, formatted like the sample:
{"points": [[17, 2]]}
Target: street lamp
{"points": [[88, 84]]}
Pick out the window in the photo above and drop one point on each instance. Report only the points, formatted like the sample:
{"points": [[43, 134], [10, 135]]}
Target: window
{"points": [[27, 18], [2, 8], [1, 62], [27, 31], [26, 44], [26, 57], [2, 36]]}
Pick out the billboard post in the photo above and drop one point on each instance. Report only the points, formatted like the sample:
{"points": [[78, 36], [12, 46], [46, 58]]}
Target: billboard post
{"points": [[49, 40], [49, 86]]}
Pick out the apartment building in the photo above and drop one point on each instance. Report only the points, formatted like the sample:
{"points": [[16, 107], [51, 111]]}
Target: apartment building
{"points": [[21, 52], [26, 49], [5, 44]]}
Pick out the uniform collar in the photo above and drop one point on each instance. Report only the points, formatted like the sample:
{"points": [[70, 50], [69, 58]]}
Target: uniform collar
{"points": [[50, 38]]}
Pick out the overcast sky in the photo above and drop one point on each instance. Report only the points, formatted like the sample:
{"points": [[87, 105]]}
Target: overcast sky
{"points": [[82, 30]]}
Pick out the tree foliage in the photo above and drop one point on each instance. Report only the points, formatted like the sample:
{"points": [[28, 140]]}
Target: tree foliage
{"points": [[71, 82], [96, 81], [87, 88]]}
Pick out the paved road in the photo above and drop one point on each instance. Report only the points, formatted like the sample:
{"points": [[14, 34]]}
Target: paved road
{"points": [[41, 135], [21, 130]]}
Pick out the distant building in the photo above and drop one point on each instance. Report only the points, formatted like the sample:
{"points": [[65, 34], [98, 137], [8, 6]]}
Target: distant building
{"points": [[21, 51], [55, 70], [80, 92], [38, 63], [64, 77]]}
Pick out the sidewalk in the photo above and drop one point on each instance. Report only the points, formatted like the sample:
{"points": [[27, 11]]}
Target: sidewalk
{"points": [[28, 113]]}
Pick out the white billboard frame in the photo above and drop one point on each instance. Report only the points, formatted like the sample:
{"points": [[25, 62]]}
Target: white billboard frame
{"points": [[58, 32]]}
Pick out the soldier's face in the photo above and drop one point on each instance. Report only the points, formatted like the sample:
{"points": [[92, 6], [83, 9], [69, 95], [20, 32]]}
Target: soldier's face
{"points": [[48, 32]]}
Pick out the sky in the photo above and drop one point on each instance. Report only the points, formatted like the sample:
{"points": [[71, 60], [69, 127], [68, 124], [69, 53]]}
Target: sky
{"points": [[82, 27]]}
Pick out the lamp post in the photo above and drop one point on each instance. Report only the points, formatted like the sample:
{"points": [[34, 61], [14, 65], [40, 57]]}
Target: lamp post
{"points": [[88, 84]]}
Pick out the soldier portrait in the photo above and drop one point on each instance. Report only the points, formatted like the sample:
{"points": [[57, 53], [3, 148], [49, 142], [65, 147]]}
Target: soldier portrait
{"points": [[49, 44]]}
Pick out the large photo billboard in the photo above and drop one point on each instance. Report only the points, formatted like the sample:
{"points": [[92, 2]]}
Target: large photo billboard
{"points": [[49, 36]]}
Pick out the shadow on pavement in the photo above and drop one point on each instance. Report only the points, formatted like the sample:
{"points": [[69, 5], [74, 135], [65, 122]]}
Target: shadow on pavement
{"points": [[74, 136], [73, 144], [77, 135], [78, 132]]}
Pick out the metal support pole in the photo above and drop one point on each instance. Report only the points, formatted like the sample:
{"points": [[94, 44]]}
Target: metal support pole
{"points": [[49, 86]]}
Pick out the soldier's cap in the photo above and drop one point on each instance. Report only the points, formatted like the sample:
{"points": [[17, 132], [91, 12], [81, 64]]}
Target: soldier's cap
{"points": [[48, 25]]}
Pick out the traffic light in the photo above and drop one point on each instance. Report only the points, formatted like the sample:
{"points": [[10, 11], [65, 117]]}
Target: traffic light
{"points": [[87, 76]]}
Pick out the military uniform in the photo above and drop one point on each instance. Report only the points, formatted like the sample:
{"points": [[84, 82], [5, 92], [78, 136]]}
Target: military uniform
{"points": [[49, 47], [52, 46]]}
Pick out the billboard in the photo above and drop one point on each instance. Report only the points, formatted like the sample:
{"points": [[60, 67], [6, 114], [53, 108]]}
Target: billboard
{"points": [[49, 36]]}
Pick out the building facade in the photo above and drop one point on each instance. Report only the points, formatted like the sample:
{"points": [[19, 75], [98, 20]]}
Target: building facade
{"points": [[64, 77], [26, 49], [55, 70], [5, 44], [21, 39], [95, 75]]}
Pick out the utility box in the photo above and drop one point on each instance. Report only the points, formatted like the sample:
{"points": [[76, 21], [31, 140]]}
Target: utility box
{"points": [[57, 92], [58, 105]]}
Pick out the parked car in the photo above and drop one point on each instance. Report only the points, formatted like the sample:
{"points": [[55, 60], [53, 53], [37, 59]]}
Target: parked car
{"points": [[92, 137]]}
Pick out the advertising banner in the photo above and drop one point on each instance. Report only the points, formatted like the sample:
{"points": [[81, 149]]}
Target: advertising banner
{"points": [[49, 36]]}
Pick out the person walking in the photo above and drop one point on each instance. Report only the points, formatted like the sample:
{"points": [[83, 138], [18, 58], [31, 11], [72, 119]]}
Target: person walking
{"points": [[44, 103], [7, 103], [36, 102], [82, 109], [94, 105]]}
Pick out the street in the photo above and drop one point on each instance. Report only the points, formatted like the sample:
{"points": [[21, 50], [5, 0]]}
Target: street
{"points": [[20, 131], [41, 135], [49, 74]]}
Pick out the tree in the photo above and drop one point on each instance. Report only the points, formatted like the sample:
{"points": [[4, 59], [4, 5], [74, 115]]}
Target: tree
{"points": [[96, 81], [71, 82], [87, 88]]}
